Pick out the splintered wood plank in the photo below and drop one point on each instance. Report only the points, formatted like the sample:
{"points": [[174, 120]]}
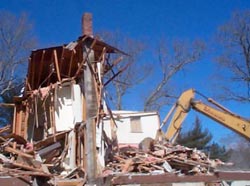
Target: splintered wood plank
{"points": [[18, 152], [15, 172], [127, 166], [57, 66], [26, 167], [5, 129], [29, 162]]}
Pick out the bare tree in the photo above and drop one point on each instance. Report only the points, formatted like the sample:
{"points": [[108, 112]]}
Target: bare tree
{"points": [[134, 70], [16, 41], [234, 58], [171, 61]]}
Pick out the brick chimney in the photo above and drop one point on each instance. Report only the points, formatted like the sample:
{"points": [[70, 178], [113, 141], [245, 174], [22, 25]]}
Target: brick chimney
{"points": [[87, 24]]}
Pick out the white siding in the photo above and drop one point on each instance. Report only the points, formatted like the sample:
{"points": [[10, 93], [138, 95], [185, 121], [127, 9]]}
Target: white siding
{"points": [[68, 107], [149, 124]]}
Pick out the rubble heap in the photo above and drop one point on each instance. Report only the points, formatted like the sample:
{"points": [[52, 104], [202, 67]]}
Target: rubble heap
{"points": [[45, 159], [162, 158]]}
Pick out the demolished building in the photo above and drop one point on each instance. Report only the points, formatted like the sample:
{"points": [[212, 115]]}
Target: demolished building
{"points": [[62, 102], [57, 136]]}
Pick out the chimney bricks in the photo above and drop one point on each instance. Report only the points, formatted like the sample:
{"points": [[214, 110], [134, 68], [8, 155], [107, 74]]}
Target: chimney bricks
{"points": [[87, 24]]}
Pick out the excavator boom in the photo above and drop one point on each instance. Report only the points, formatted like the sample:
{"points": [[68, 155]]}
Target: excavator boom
{"points": [[229, 120], [218, 113], [182, 107]]}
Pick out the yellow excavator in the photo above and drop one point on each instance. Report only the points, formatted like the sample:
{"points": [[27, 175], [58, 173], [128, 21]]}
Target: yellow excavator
{"points": [[217, 112]]}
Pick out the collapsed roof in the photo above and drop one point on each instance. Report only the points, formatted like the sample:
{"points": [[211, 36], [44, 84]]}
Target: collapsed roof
{"points": [[49, 65]]}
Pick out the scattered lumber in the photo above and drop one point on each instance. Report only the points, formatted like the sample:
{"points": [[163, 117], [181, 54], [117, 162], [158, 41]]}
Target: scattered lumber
{"points": [[44, 160], [162, 158], [48, 159]]}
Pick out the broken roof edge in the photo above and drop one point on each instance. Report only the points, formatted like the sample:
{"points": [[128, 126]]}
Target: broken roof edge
{"points": [[110, 49]]}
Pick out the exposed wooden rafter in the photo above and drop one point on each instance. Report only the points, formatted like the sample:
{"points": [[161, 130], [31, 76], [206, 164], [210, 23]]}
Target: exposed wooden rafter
{"points": [[73, 52], [41, 67], [57, 66]]}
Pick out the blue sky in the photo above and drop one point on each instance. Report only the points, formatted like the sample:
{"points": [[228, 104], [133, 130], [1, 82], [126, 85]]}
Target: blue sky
{"points": [[59, 21]]}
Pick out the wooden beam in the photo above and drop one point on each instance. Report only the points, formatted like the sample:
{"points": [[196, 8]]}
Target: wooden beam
{"points": [[52, 110], [27, 167], [71, 61], [61, 58], [32, 73], [52, 69], [101, 58], [57, 66], [7, 105], [14, 120], [17, 172], [18, 152], [41, 67]]}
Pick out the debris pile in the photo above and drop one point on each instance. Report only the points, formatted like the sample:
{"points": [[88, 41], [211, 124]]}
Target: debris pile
{"points": [[46, 159], [162, 158]]}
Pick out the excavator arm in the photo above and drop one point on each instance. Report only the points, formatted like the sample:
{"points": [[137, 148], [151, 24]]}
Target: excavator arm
{"points": [[178, 113], [218, 113]]}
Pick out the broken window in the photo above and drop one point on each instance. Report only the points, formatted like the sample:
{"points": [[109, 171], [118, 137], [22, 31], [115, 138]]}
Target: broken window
{"points": [[135, 124]]}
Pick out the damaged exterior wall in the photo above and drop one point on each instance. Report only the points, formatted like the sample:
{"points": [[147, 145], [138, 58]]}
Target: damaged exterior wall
{"points": [[133, 127], [48, 79]]}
